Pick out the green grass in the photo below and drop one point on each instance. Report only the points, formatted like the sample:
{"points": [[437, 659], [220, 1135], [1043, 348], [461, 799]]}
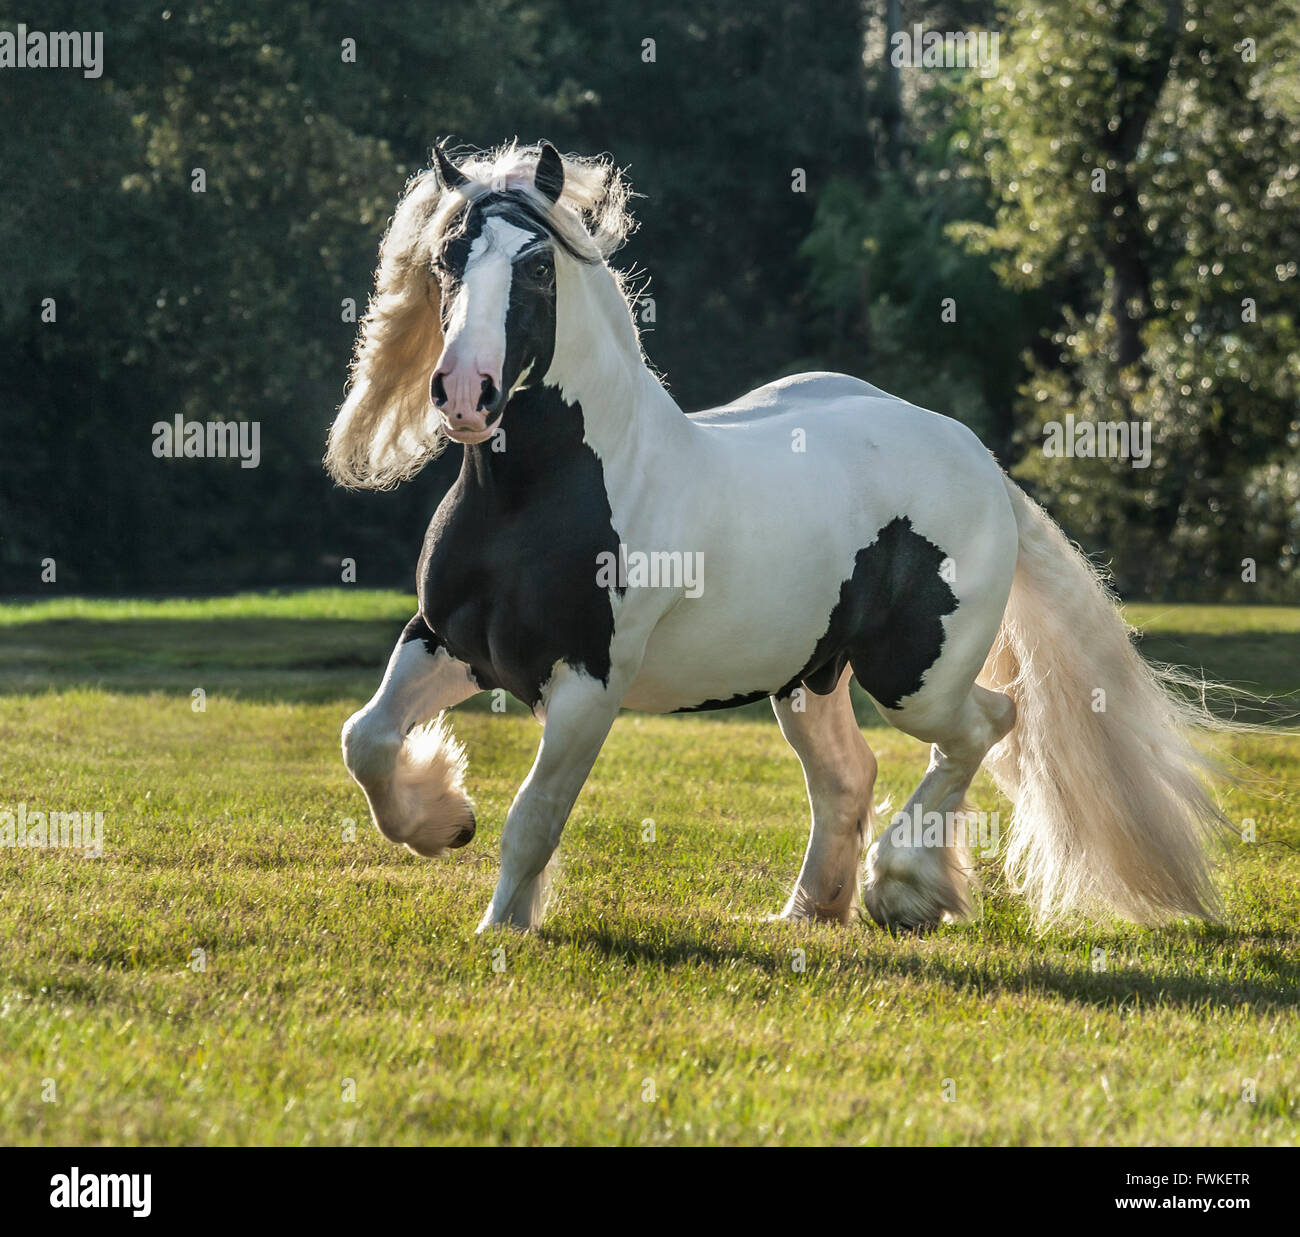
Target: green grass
{"points": [[332, 958]]}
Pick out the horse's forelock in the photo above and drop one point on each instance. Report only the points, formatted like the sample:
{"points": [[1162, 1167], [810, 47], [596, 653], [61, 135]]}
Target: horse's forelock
{"points": [[590, 220]]}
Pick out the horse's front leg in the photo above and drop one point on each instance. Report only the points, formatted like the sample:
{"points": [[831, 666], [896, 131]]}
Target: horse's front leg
{"points": [[579, 712], [412, 773]]}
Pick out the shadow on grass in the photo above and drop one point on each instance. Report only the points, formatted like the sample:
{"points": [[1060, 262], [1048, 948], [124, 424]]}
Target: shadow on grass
{"points": [[268, 659], [257, 659], [1123, 985], [1265, 666], [262, 660]]}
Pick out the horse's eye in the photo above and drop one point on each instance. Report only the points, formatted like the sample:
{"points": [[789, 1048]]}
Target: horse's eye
{"points": [[543, 268]]}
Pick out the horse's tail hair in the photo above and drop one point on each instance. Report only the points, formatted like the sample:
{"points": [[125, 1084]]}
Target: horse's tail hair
{"points": [[1110, 811]]}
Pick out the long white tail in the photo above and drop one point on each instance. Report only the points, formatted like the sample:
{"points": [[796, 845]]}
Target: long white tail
{"points": [[1110, 809]]}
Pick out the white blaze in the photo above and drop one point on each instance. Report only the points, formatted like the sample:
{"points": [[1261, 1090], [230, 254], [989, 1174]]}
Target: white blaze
{"points": [[476, 334]]}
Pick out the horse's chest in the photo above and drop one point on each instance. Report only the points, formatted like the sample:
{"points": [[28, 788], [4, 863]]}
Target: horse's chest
{"points": [[511, 588]]}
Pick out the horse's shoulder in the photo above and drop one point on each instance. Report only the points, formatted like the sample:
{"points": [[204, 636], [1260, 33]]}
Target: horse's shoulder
{"points": [[786, 394]]}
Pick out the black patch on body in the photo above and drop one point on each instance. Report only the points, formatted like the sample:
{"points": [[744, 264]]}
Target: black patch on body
{"points": [[887, 623], [732, 702], [507, 578]]}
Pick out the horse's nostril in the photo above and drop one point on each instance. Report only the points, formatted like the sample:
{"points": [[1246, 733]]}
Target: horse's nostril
{"points": [[437, 392], [465, 835], [488, 395]]}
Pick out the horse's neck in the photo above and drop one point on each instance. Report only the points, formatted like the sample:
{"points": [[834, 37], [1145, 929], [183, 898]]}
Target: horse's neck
{"points": [[598, 365], [630, 417]]}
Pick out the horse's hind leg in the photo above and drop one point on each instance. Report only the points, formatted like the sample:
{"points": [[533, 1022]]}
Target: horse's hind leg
{"points": [[412, 773], [840, 773], [916, 871]]}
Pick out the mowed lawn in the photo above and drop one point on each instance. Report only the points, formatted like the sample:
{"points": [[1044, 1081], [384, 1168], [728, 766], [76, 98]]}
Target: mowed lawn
{"points": [[341, 996]]}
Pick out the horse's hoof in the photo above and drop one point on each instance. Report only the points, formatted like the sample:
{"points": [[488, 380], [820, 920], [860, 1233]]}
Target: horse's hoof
{"points": [[466, 835], [899, 906], [912, 890], [804, 908]]}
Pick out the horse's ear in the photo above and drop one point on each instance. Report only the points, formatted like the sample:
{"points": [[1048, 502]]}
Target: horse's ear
{"points": [[384, 432], [449, 175], [548, 180]]}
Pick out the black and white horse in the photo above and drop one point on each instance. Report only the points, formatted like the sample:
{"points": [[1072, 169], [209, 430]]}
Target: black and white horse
{"points": [[601, 550]]}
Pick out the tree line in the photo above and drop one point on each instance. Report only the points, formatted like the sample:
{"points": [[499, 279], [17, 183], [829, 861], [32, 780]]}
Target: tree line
{"points": [[1101, 229]]}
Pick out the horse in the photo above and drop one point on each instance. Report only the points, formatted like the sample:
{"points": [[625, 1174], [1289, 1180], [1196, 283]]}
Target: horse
{"points": [[834, 532]]}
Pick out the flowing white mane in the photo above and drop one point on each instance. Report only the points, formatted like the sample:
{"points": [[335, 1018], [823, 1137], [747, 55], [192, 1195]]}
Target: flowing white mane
{"points": [[384, 432]]}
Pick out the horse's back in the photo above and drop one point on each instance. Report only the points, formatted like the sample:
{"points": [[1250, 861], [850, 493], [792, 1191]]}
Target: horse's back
{"points": [[787, 395], [902, 444], [856, 417]]}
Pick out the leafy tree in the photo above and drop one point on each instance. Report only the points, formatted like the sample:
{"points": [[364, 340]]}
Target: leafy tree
{"points": [[1143, 157], [1164, 295], [214, 305]]}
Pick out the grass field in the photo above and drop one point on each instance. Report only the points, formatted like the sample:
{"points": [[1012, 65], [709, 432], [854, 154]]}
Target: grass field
{"points": [[341, 996]]}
